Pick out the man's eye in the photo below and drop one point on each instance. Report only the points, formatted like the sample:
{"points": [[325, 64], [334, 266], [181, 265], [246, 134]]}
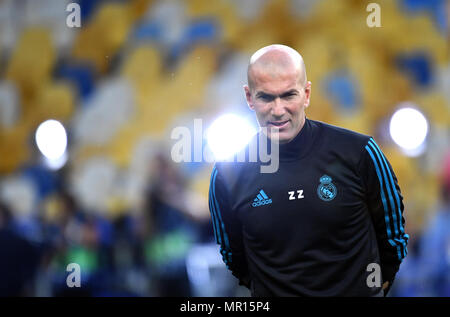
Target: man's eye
{"points": [[288, 97], [266, 98]]}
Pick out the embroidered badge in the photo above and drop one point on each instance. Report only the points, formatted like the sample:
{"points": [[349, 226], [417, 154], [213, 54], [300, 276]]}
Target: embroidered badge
{"points": [[326, 190]]}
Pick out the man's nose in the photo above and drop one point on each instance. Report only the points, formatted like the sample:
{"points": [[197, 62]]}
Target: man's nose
{"points": [[278, 108]]}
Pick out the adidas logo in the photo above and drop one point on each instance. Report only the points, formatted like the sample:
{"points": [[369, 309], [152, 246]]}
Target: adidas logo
{"points": [[261, 199]]}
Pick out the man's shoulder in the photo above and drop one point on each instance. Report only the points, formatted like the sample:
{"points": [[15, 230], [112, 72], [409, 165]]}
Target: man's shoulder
{"points": [[225, 168], [230, 172], [341, 136]]}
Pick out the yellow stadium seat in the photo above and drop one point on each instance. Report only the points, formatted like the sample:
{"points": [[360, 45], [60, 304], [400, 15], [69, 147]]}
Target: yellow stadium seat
{"points": [[55, 101], [138, 8], [320, 107], [122, 146], [419, 189], [425, 36], [256, 38], [14, 148], [200, 8], [200, 182], [435, 107], [80, 154], [99, 41], [358, 121], [187, 88], [31, 62], [259, 33], [230, 24], [318, 56], [143, 68]]}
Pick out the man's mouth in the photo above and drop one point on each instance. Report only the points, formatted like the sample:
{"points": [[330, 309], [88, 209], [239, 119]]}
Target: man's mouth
{"points": [[278, 124]]}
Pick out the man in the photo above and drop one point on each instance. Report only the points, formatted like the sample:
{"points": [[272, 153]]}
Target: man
{"points": [[329, 221]]}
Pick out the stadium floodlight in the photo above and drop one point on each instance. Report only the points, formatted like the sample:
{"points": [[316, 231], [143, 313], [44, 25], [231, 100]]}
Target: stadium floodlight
{"points": [[228, 134], [51, 139], [409, 128]]}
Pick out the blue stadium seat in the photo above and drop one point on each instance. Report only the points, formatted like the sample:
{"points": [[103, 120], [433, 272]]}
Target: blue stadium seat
{"points": [[80, 75], [418, 66], [343, 89]]}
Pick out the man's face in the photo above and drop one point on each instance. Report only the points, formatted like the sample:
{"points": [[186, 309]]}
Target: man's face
{"points": [[279, 101]]}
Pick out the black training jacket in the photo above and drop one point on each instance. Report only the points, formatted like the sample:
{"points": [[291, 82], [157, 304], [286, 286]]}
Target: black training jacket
{"points": [[320, 225]]}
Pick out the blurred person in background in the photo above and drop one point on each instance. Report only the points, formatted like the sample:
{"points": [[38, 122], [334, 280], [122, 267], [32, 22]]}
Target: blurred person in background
{"points": [[409, 281], [75, 241], [83, 238], [178, 219], [19, 259], [435, 245]]}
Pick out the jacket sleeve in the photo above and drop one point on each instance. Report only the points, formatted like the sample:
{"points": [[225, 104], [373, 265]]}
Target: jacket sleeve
{"points": [[227, 229], [385, 203]]}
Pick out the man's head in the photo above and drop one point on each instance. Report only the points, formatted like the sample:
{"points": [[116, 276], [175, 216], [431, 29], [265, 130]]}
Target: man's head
{"points": [[278, 90]]}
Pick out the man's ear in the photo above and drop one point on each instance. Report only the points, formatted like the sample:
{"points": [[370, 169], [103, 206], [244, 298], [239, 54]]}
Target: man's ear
{"points": [[307, 93], [248, 97]]}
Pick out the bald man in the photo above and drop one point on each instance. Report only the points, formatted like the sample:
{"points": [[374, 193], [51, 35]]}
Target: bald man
{"points": [[329, 221], [278, 90]]}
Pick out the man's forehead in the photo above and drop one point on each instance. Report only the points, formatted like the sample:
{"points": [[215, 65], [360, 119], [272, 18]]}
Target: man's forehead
{"points": [[275, 82], [273, 64], [268, 74]]}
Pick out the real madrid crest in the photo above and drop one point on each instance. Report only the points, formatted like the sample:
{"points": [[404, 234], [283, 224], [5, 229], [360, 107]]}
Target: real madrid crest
{"points": [[326, 190]]}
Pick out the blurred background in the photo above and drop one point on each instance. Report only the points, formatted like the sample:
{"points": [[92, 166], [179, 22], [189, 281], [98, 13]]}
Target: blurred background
{"points": [[96, 184]]}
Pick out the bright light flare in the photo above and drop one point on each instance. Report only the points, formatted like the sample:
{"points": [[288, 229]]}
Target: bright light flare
{"points": [[229, 134], [409, 129], [51, 139]]}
